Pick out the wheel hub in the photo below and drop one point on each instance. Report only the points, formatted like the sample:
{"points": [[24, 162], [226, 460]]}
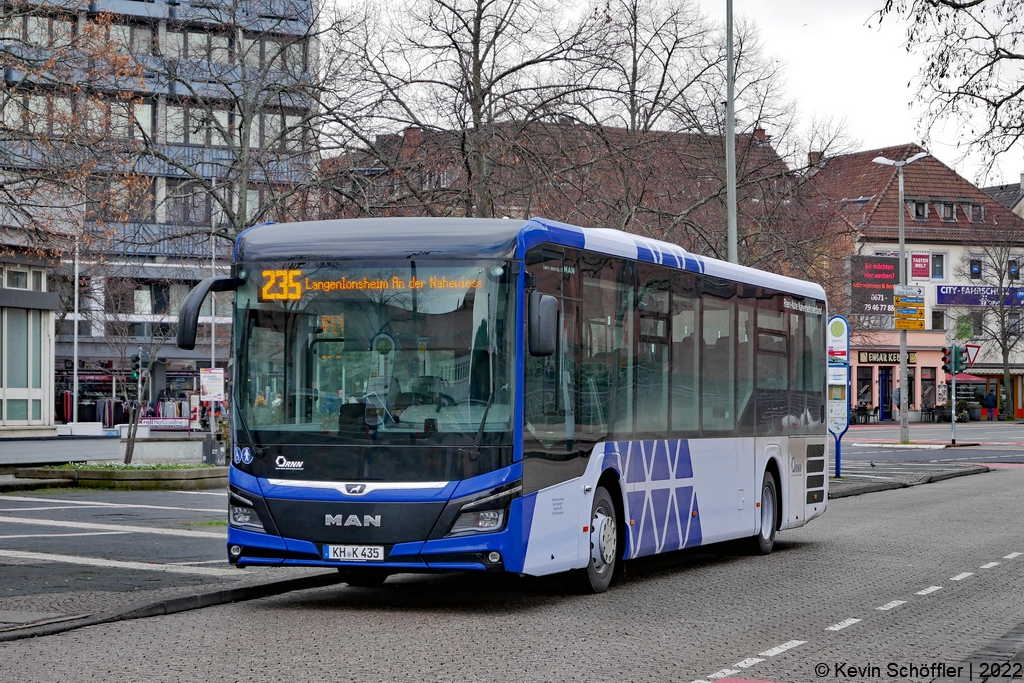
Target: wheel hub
{"points": [[603, 540], [767, 513]]}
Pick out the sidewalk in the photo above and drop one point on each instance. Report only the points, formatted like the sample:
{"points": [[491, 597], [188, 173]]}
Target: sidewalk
{"points": [[29, 616], [861, 477]]}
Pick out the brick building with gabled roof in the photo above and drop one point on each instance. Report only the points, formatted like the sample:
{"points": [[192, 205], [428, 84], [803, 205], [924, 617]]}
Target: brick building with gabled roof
{"points": [[950, 226]]}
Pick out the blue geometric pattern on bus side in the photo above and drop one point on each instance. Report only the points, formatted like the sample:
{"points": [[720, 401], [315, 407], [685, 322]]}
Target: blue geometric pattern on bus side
{"points": [[658, 509], [657, 451]]}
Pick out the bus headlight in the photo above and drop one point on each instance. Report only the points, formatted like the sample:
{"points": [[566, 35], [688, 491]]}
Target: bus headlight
{"points": [[479, 521], [244, 518], [241, 513]]}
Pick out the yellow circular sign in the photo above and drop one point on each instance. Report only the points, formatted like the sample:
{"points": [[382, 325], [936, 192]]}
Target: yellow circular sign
{"points": [[383, 346], [837, 328]]}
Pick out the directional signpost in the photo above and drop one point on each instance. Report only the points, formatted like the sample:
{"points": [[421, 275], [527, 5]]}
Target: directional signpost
{"points": [[838, 400], [908, 306]]}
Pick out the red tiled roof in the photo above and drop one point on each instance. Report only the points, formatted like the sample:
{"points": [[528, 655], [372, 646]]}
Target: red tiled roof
{"points": [[867, 194]]}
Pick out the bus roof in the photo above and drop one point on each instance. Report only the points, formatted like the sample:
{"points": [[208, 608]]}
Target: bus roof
{"points": [[425, 238]]}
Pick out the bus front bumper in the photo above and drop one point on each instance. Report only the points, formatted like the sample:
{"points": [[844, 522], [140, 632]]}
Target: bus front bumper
{"points": [[472, 552]]}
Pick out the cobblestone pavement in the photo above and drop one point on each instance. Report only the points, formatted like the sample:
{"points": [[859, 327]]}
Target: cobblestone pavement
{"points": [[915, 576]]}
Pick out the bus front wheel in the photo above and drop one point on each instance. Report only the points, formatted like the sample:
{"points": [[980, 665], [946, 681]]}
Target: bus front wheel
{"points": [[764, 541], [604, 545]]}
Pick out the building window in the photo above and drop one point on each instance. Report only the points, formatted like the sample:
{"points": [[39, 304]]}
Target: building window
{"points": [[193, 125], [920, 210], [17, 279], [928, 387], [188, 203], [864, 386], [974, 269], [122, 199], [134, 39], [973, 212], [938, 266], [938, 319], [946, 212], [977, 323], [24, 363]]}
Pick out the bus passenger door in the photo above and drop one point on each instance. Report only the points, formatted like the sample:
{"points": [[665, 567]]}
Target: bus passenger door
{"points": [[552, 462]]}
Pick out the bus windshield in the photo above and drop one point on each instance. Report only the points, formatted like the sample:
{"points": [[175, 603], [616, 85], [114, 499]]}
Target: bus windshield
{"points": [[388, 353]]}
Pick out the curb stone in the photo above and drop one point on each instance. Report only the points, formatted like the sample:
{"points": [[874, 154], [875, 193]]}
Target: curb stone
{"points": [[874, 487], [183, 603]]}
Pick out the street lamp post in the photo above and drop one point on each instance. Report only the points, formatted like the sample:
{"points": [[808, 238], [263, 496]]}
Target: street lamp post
{"points": [[900, 209]]}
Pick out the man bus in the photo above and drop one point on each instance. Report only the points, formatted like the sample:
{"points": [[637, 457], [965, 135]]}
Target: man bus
{"points": [[511, 395]]}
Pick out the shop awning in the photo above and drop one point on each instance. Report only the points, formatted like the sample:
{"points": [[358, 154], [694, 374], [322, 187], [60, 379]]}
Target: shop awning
{"points": [[964, 377]]}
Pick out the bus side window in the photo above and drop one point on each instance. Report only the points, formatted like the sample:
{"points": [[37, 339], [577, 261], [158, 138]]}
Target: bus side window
{"points": [[685, 356]]}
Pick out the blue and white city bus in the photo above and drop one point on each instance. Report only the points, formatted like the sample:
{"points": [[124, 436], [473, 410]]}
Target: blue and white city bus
{"points": [[431, 394]]}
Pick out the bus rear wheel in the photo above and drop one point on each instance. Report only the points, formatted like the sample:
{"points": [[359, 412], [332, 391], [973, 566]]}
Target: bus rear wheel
{"points": [[364, 578], [764, 541], [604, 545]]}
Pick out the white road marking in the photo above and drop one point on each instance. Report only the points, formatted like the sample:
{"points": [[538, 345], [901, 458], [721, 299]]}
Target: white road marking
{"points": [[722, 674], [91, 526], [890, 605], [1011, 556], [97, 503], [202, 493], [779, 649], [222, 561], [117, 564], [747, 663], [843, 624], [989, 565], [929, 589], [961, 577], [85, 533]]}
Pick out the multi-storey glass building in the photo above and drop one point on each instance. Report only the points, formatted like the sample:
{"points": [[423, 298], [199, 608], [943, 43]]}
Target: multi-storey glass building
{"points": [[202, 110]]}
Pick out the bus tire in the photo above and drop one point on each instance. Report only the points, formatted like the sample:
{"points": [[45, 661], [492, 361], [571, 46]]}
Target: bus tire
{"points": [[605, 544], [764, 541], [364, 578]]}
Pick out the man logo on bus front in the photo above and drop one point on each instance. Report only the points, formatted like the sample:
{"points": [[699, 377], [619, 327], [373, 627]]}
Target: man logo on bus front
{"points": [[355, 489]]}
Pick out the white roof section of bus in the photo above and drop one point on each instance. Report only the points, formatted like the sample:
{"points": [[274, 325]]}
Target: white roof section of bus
{"points": [[618, 243]]}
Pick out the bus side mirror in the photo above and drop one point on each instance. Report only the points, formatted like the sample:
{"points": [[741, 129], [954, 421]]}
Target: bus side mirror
{"points": [[543, 324], [188, 315]]}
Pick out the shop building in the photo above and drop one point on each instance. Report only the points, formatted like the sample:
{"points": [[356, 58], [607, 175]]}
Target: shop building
{"points": [[961, 248]]}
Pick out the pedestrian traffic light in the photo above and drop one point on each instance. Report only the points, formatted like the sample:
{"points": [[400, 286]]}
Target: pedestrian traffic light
{"points": [[136, 366], [947, 365]]}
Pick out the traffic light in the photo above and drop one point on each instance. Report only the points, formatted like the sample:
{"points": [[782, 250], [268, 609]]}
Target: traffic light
{"points": [[959, 359], [136, 366], [947, 365]]}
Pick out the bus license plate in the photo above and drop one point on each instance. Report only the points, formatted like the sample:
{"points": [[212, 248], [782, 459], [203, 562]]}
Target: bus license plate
{"points": [[354, 553]]}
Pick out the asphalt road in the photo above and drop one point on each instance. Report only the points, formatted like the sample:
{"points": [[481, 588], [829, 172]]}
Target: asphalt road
{"points": [[998, 442], [929, 574], [171, 538]]}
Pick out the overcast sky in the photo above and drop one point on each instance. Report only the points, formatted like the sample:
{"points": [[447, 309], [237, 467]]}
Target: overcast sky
{"points": [[839, 62]]}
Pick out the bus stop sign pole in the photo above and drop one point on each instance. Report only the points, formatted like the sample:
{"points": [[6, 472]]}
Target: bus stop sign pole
{"points": [[838, 398]]}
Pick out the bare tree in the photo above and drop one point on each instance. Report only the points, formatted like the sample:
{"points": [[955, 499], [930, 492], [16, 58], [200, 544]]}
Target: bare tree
{"points": [[135, 324], [470, 79], [971, 74], [56, 129], [991, 260]]}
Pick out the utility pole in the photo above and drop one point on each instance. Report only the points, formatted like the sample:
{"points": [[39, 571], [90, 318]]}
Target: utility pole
{"points": [[74, 344], [730, 139], [900, 210]]}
